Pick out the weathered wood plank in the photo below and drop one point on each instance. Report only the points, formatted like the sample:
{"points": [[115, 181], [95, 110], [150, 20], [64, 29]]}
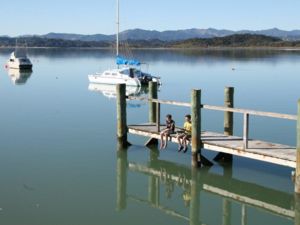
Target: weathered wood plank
{"points": [[251, 112]]}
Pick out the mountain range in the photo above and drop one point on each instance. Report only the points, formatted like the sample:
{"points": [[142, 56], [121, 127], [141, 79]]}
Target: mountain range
{"points": [[173, 35]]}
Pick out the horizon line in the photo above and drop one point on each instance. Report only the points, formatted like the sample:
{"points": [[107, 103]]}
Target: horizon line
{"points": [[152, 30]]}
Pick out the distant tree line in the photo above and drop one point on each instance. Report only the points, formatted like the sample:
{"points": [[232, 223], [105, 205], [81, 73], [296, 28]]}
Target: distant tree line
{"points": [[237, 40]]}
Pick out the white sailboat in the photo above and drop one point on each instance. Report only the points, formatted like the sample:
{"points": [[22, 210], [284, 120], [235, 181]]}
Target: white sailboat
{"points": [[128, 74], [19, 60]]}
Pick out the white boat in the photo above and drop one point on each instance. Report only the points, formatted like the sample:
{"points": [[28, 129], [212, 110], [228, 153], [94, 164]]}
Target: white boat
{"points": [[128, 74], [18, 58], [19, 61], [116, 76], [19, 76]]}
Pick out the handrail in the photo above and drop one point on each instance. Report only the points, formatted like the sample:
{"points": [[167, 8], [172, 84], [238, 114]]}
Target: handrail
{"points": [[221, 108]]}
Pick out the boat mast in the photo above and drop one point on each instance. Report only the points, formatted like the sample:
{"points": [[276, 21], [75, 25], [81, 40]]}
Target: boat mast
{"points": [[118, 26]]}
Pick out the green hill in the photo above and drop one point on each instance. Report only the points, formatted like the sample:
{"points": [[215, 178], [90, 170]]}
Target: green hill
{"points": [[236, 40]]}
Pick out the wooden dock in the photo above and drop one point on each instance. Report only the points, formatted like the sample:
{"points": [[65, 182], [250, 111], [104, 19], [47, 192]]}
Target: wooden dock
{"points": [[225, 144], [259, 150]]}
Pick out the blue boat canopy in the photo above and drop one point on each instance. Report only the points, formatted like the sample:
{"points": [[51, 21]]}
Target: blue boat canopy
{"points": [[123, 61]]}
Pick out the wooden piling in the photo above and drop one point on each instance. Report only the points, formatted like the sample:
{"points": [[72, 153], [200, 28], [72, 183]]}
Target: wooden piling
{"points": [[121, 115], [297, 179], [152, 105], [158, 117], [196, 126], [228, 116], [246, 130], [228, 121]]}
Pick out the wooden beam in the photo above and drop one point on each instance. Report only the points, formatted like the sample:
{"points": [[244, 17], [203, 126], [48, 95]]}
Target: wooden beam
{"points": [[196, 126], [228, 116], [152, 105], [246, 130], [251, 112], [158, 117], [121, 115], [228, 121]]}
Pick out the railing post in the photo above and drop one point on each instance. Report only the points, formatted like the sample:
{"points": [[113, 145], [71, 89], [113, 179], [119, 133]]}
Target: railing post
{"points": [[228, 116], [121, 115], [152, 105], [196, 127], [297, 180], [246, 130], [228, 121], [158, 117]]}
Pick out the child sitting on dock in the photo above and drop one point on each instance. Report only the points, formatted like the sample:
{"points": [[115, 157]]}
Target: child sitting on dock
{"points": [[170, 129], [186, 135]]}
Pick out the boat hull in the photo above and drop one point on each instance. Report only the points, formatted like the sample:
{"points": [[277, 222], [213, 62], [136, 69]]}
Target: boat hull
{"points": [[15, 65]]}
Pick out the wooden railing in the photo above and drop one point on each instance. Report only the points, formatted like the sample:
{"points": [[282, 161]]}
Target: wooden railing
{"points": [[245, 112]]}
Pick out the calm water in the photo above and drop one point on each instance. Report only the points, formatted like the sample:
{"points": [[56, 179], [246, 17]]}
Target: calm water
{"points": [[59, 161]]}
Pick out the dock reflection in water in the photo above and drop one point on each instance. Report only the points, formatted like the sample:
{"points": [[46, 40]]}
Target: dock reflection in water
{"points": [[194, 183], [18, 76]]}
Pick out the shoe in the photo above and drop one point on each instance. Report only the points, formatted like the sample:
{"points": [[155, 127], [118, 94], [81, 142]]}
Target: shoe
{"points": [[185, 149], [180, 148]]}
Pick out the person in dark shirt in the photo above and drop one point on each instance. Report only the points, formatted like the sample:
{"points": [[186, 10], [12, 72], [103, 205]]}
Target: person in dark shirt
{"points": [[170, 129]]}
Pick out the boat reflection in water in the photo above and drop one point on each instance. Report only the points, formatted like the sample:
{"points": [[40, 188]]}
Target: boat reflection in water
{"points": [[18, 76], [177, 191], [110, 91]]}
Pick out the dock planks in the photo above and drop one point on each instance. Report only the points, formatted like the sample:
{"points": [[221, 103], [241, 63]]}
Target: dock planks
{"points": [[259, 150]]}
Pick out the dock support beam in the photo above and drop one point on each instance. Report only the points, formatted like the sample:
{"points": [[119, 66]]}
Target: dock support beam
{"points": [[154, 111], [196, 127], [228, 121], [297, 180], [121, 115], [228, 116], [152, 105]]}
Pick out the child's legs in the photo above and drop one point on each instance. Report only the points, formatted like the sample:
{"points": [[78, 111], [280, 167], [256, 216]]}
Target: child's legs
{"points": [[179, 137], [162, 134], [184, 140]]}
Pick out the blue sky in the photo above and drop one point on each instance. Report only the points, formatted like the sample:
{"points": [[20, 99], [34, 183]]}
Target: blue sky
{"points": [[98, 16]]}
